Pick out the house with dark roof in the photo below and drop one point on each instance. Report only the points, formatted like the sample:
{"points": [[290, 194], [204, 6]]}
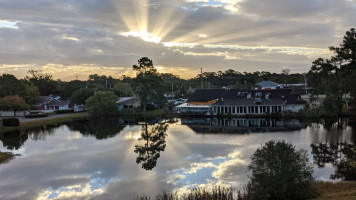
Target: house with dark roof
{"points": [[128, 102], [51, 103], [240, 102], [42, 102]]}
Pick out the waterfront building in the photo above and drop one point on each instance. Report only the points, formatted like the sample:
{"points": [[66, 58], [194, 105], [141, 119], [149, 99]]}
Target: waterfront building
{"points": [[240, 102]]}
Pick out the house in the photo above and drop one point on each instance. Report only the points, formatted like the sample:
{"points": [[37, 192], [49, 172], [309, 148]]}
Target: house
{"points": [[128, 102], [240, 102], [268, 85], [59, 105], [50, 103], [78, 108], [43, 101]]}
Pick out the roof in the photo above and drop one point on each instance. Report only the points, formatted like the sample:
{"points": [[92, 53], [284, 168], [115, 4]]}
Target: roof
{"points": [[247, 97], [121, 99], [185, 105], [60, 103], [267, 84], [129, 101], [46, 99]]}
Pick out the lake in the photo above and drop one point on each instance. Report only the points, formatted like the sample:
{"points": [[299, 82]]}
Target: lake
{"points": [[119, 159]]}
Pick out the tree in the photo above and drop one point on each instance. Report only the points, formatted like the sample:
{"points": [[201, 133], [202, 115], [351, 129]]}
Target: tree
{"points": [[31, 93], [145, 66], [150, 88], [102, 104], [13, 103], [123, 89], [280, 172], [70, 87], [44, 81], [347, 49], [101, 81], [10, 85], [345, 55], [78, 97]]}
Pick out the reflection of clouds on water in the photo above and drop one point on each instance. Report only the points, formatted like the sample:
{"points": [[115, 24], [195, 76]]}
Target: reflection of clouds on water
{"points": [[66, 165], [209, 172], [323, 174], [75, 135], [72, 191]]}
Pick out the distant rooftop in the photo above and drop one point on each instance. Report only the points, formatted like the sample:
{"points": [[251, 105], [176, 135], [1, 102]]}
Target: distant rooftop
{"points": [[267, 84]]}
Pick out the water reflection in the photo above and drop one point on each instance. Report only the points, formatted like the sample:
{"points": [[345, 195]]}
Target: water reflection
{"points": [[241, 125], [341, 155], [153, 137], [13, 140], [98, 128], [57, 162]]}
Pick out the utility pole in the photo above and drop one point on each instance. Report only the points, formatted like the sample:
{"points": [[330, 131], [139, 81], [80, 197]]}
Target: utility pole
{"points": [[106, 83], [201, 77], [172, 91], [305, 84]]}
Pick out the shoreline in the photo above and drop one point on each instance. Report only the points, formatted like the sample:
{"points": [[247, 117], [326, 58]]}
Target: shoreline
{"points": [[36, 122]]}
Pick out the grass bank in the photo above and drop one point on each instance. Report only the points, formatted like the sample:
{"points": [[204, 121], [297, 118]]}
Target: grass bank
{"points": [[345, 190], [45, 121], [6, 157]]}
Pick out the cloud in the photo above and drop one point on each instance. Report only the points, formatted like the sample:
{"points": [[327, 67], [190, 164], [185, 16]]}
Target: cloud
{"points": [[220, 34]]}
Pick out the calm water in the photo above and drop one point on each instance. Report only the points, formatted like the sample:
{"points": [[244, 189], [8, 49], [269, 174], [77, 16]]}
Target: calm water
{"points": [[115, 159]]}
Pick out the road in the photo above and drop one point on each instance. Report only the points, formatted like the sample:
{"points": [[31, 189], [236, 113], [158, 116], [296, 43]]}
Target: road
{"points": [[23, 119]]}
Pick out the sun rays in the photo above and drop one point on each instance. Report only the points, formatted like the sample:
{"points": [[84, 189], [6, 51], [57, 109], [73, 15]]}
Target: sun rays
{"points": [[161, 24], [148, 37]]}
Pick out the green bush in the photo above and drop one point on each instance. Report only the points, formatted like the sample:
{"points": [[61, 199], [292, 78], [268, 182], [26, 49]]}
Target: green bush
{"points": [[280, 172], [11, 122], [63, 111]]}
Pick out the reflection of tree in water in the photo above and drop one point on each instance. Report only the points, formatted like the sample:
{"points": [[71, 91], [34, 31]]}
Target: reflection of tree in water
{"points": [[13, 140], [99, 128], [41, 132], [340, 155], [154, 137]]}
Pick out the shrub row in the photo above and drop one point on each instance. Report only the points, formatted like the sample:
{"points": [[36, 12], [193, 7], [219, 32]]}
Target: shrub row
{"points": [[64, 111], [11, 122]]}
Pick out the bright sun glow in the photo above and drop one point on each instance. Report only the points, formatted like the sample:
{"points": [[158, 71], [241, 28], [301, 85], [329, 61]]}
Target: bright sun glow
{"points": [[148, 37]]}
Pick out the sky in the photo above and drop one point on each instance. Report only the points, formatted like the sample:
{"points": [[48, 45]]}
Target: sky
{"points": [[72, 39]]}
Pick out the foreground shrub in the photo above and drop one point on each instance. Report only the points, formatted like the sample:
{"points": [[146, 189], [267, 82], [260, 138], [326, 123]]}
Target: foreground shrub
{"points": [[216, 193], [280, 172], [11, 122]]}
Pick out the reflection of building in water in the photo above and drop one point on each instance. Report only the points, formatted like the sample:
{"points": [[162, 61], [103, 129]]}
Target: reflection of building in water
{"points": [[241, 125]]}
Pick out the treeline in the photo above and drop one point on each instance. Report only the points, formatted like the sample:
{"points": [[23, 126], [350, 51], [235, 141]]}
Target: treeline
{"points": [[38, 83]]}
